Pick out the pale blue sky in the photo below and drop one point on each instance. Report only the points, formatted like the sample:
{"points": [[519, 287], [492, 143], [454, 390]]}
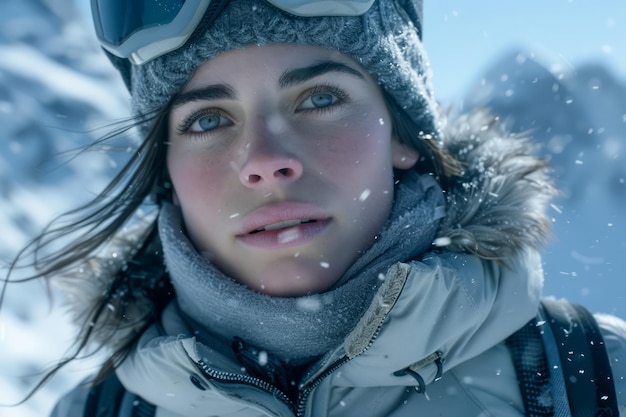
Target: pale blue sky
{"points": [[462, 37]]}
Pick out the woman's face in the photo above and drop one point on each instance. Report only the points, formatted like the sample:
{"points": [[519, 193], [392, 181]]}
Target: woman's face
{"points": [[281, 158]]}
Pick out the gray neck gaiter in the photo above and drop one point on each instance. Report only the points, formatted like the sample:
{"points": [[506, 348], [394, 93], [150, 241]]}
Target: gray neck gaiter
{"points": [[299, 328]]}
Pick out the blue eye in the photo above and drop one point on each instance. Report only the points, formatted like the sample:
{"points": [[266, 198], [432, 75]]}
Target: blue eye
{"points": [[208, 122], [323, 100], [319, 100]]}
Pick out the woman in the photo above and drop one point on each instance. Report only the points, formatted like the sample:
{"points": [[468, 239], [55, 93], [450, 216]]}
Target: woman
{"points": [[326, 243]]}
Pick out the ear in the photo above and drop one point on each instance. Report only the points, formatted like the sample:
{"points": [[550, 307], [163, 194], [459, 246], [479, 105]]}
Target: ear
{"points": [[403, 156]]}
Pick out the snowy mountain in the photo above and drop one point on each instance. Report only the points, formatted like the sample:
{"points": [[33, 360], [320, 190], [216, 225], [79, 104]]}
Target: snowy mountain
{"points": [[578, 115], [56, 89], [58, 93]]}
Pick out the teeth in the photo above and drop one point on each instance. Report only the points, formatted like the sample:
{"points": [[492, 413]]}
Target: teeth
{"points": [[283, 225]]}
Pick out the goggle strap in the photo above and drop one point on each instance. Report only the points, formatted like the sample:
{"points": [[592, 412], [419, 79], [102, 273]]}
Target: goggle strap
{"points": [[123, 65]]}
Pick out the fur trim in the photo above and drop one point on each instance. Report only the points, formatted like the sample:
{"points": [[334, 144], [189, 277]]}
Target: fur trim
{"points": [[497, 207], [84, 290]]}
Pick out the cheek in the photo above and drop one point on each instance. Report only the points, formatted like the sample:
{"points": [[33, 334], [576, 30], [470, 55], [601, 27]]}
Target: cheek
{"points": [[193, 176], [358, 152]]}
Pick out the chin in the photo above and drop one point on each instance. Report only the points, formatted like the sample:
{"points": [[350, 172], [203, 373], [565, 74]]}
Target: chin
{"points": [[295, 279]]}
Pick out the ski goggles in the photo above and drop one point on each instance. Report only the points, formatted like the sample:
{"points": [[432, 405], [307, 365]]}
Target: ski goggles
{"points": [[141, 30]]}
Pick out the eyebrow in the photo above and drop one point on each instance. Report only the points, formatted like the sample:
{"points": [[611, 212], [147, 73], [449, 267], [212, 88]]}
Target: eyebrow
{"points": [[300, 75], [210, 92], [287, 79]]}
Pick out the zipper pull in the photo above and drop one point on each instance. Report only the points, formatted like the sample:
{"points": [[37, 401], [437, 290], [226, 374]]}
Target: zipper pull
{"points": [[411, 370]]}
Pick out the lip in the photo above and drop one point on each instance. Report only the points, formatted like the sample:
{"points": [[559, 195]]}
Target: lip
{"points": [[292, 234]]}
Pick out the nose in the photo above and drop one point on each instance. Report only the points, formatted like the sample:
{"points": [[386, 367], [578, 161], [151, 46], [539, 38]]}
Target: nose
{"points": [[267, 166]]}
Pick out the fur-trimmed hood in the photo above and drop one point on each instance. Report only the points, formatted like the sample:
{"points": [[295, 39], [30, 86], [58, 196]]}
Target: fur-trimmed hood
{"points": [[496, 209]]}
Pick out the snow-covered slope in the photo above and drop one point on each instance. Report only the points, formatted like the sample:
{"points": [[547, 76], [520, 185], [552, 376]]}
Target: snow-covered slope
{"points": [[55, 85], [55, 89]]}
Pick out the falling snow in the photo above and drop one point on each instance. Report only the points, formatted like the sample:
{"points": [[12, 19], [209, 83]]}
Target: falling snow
{"points": [[364, 195], [442, 241], [589, 221]]}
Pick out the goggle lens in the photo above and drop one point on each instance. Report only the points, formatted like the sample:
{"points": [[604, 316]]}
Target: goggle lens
{"points": [[117, 20], [142, 30]]}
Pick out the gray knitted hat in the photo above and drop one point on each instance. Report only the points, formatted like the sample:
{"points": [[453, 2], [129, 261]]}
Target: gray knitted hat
{"points": [[385, 41]]}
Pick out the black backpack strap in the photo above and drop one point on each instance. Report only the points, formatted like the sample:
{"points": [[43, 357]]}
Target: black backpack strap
{"points": [[531, 367], [110, 399], [562, 365], [583, 359]]}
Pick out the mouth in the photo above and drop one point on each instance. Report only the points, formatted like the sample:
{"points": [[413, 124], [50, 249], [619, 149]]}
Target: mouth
{"points": [[285, 234], [282, 225]]}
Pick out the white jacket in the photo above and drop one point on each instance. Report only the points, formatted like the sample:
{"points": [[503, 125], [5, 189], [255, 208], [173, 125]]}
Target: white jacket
{"points": [[437, 309], [443, 317]]}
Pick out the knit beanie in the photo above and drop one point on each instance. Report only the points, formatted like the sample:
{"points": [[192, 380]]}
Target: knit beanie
{"points": [[386, 41]]}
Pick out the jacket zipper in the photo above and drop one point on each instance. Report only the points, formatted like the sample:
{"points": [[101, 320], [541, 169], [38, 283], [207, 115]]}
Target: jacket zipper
{"points": [[231, 378], [306, 392], [299, 410]]}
